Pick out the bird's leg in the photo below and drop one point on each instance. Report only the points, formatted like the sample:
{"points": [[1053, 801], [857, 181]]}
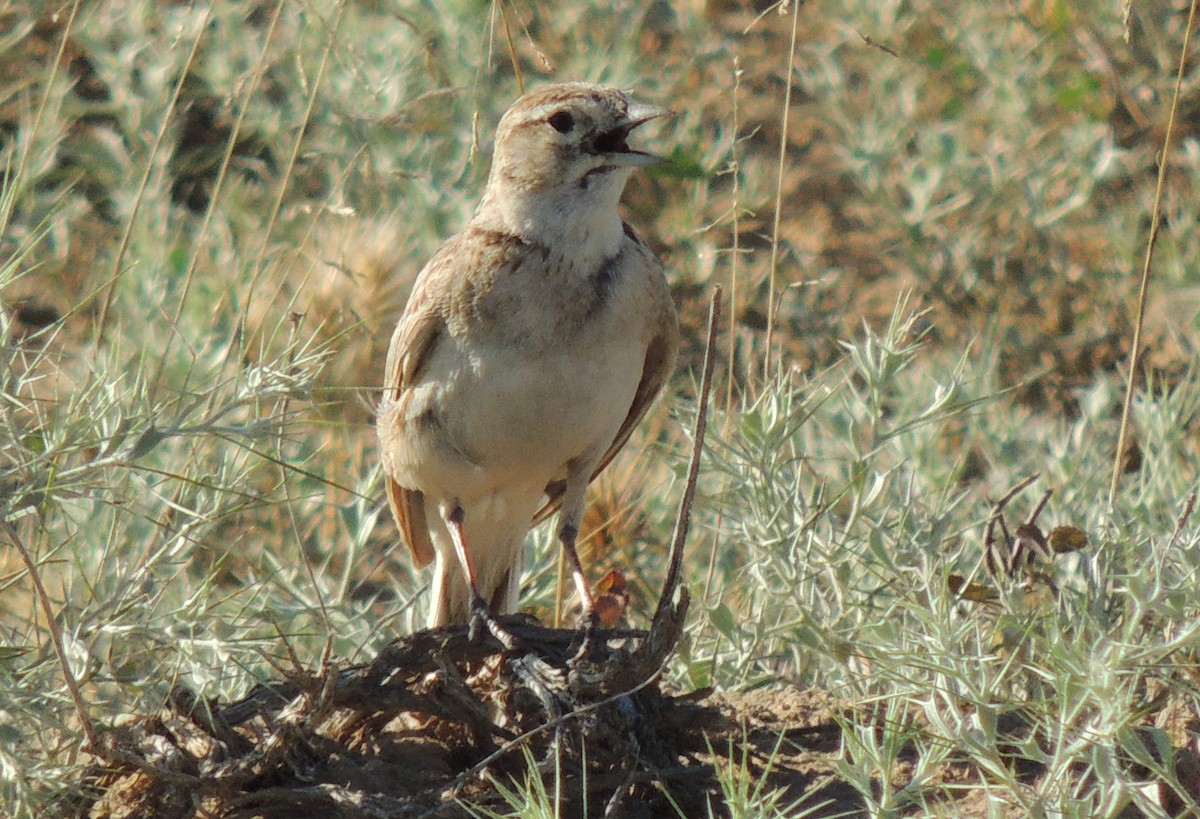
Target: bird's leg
{"points": [[454, 522], [480, 612], [568, 532]]}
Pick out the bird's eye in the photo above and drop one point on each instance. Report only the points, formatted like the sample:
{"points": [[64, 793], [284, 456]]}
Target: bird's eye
{"points": [[562, 122]]}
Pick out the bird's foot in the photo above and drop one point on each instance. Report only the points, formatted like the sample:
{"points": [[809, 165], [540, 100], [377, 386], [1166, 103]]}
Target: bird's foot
{"points": [[482, 618], [589, 622]]}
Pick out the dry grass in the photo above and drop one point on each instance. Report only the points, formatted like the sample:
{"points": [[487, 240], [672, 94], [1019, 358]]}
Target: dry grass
{"points": [[208, 224]]}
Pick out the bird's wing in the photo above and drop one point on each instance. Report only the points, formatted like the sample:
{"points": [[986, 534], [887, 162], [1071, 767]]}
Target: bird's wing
{"points": [[466, 263], [660, 359], [415, 337]]}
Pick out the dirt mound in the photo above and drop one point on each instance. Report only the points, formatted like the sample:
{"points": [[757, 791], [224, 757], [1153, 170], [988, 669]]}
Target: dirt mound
{"points": [[436, 720]]}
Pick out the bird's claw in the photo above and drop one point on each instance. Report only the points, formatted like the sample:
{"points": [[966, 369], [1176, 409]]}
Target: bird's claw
{"points": [[589, 622], [482, 618]]}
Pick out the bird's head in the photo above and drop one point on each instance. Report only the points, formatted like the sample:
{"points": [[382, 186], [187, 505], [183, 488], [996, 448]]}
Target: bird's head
{"points": [[565, 147]]}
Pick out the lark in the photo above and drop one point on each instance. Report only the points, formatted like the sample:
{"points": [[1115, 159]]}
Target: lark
{"points": [[533, 343]]}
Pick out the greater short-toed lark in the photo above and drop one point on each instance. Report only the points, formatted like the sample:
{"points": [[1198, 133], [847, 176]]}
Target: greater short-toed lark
{"points": [[533, 343]]}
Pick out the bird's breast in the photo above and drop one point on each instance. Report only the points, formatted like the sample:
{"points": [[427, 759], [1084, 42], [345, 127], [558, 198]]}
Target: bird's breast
{"points": [[538, 412], [540, 372]]}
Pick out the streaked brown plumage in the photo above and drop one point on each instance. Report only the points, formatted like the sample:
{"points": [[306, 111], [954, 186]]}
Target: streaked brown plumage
{"points": [[533, 343]]}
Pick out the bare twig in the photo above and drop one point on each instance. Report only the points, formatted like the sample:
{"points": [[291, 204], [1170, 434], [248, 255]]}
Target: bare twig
{"points": [[866, 38], [552, 724], [999, 505], [512, 47], [998, 559], [168, 120], [39, 116], [1188, 508], [735, 228], [268, 230], [734, 259], [55, 633], [214, 202], [689, 490], [1037, 510], [772, 307], [1155, 224]]}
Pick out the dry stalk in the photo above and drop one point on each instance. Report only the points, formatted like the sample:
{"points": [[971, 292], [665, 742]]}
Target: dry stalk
{"points": [[1155, 224], [683, 522], [55, 632]]}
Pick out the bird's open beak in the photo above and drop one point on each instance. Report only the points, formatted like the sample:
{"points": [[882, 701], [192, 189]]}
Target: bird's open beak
{"points": [[614, 146]]}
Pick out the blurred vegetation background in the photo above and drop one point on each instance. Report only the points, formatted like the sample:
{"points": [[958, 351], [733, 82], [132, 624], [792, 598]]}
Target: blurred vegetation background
{"points": [[928, 221]]}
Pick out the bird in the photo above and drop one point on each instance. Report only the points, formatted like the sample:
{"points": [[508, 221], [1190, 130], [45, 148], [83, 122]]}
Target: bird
{"points": [[534, 341]]}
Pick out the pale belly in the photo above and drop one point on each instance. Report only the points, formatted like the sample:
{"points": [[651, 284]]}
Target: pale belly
{"points": [[562, 407], [510, 423]]}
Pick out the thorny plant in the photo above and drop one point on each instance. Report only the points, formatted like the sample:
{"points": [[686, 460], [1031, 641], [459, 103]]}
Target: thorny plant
{"points": [[993, 157]]}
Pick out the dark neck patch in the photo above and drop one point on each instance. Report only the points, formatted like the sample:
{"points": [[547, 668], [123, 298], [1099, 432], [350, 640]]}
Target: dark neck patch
{"points": [[502, 237], [506, 242], [605, 277]]}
